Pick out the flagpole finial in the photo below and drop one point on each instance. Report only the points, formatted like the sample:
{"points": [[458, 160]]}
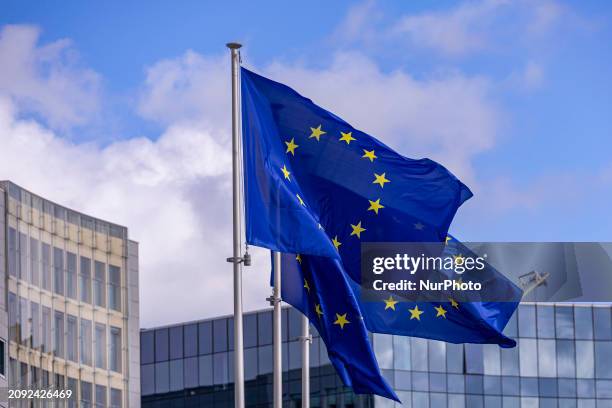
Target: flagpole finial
{"points": [[233, 45]]}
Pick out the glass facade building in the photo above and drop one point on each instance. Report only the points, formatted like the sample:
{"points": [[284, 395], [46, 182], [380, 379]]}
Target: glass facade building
{"points": [[69, 314], [563, 359]]}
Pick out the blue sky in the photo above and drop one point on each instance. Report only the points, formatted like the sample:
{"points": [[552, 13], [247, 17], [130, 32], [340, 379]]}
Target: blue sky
{"points": [[514, 97]]}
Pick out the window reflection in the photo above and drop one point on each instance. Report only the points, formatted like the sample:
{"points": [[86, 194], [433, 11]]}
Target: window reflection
{"points": [[383, 347], [585, 365], [527, 321], [564, 318]]}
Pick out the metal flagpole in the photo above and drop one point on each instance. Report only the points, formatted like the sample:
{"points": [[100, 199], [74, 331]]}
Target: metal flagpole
{"points": [[276, 301], [306, 340], [236, 258]]}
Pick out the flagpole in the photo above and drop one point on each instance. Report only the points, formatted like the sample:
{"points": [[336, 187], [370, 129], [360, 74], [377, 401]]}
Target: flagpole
{"points": [[306, 340], [237, 203], [278, 366]]}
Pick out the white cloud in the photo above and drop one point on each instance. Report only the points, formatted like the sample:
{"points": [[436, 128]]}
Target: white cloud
{"points": [[174, 192], [188, 88], [46, 79], [462, 29], [448, 117], [457, 31]]}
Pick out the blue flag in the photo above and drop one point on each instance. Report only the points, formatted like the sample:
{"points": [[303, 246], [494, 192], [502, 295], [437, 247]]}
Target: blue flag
{"points": [[316, 187]]}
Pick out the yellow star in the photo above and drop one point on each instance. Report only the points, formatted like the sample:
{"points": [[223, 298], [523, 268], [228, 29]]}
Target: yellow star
{"points": [[454, 303], [448, 238], [298, 258], [369, 154], [347, 137], [291, 146], [357, 230], [458, 259], [441, 311], [380, 179], [286, 172], [336, 242], [341, 320], [415, 313], [300, 199], [375, 206], [318, 310], [306, 285], [316, 133], [390, 303]]}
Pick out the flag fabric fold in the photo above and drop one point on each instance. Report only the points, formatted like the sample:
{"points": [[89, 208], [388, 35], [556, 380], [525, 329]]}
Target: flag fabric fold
{"points": [[315, 189]]}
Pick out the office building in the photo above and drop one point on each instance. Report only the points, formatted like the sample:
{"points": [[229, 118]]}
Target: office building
{"points": [[69, 312], [564, 359]]}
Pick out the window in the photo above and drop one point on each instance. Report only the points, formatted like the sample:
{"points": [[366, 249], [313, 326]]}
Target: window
{"points": [[86, 343], [46, 329], [205, 338], [161, 344], [72, 386], [115, 349], [99, 284], [528, 357], [191, 371], [35, 312], [401, 351], [546, 321], [527, 321], [603, 323], [86, 392], [85, 280], [265, 328], [191, 340], [13, 315], [547, 360], [23, 256], [250, 330], [162, 377], [564, 318], [116, 398], [12, 251], [147, 344], [24, 316], [2, 358], [220, 368], [58, 342], [176, 342], [46, 266], [603, 357], [220, 335], [100, 346], [206, 371], [437, 356], [584, 322], [71, 273], [474, 361], [34, 261], [114, 287], [419, 354], [71, 338], [176, 375], [147, 379], [566, 363], [383, 348], [100, 396], [58, 271]]}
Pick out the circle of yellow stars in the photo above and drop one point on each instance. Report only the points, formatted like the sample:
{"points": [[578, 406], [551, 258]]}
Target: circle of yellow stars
{"points": [[357, 229]]}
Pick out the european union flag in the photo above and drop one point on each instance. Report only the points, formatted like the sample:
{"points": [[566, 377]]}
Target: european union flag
{"points": [[315, 188]]}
